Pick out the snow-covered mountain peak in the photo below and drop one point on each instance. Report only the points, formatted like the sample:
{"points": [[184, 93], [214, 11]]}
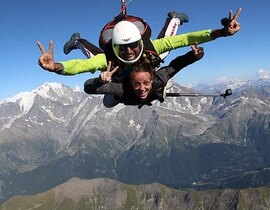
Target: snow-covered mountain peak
{"points": [[45, 89], [24, 99], [229, 83]]}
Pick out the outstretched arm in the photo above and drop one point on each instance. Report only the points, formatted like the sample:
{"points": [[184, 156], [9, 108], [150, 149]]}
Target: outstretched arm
{"points": [[46, 60], [70, 67], [174, 42], [231, 25], [181, 62]]}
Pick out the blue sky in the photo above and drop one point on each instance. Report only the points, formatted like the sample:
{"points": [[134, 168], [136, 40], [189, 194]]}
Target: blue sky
{"points": [[25, 22]]}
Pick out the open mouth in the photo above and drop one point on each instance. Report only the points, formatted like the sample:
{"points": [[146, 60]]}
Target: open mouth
{"points": [[131, 56], [143, 94]]}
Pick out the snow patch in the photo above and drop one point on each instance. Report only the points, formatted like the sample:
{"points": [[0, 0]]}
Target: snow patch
{"points": [[114, 110], [131, 123], [77, 88], [27, 102], [24, 99], [203, 100], [138, 127], [44, 90]]}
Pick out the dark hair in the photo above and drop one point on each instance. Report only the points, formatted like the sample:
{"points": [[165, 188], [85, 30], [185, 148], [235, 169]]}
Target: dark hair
{"points": [[142, 67]]}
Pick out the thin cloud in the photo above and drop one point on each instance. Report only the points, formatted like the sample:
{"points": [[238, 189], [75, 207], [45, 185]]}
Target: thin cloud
{"points": [[263, 74]]}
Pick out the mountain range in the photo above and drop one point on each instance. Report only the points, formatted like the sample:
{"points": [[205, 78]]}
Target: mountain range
{"points": [[54, 133], [104, 193]]}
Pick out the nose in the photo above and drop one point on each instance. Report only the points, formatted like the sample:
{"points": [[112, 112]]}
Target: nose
{"points": [[128, 49], [142, 87]]}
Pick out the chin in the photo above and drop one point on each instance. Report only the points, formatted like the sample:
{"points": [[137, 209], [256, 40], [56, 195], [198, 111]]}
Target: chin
{"points": [[143, 97], [130, 58]]}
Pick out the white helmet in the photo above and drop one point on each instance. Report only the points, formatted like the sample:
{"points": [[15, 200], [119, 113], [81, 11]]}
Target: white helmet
{"points": [[126, 34]]}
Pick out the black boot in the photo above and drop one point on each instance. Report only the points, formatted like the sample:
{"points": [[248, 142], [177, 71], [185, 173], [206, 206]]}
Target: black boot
{"points": [[181, 16], [70, 44]]}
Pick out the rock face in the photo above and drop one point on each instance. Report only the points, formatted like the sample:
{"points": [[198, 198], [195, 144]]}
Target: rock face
{"points": [[54, 133], [113, 195]]}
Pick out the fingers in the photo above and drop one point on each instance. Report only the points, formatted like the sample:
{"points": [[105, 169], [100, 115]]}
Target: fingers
{"points": [[230, 15], [199, 53], [237, 14], [51, 47], [232, 26], [195, 46], [46, 60], [200, 50], [41, 61], [42, 49], [115, 69], [102, 76], [109, 66], [106, 76]]}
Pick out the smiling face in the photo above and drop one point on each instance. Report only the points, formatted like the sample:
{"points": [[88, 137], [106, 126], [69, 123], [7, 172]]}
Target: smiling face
{"points": [[128, 52], [141, 79], [127, 42]]}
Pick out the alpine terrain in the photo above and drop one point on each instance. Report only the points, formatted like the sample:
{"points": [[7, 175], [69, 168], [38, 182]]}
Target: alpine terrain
{"points": [[54, 133]]}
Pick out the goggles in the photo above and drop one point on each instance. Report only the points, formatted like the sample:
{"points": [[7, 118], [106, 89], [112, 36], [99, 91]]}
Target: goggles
{"points": [[133, 45], [120, 49]]}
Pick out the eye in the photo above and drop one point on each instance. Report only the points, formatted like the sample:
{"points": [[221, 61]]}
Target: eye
{"points": [[146, 83], [136, 85]]}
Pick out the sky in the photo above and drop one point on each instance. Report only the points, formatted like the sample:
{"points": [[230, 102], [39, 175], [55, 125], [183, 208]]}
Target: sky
{"points": [[243, 56]]}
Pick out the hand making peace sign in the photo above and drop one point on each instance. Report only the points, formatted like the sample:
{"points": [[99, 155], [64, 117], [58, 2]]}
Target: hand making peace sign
{"points": [[198, 51], [233, 25], [106, 76], [46, 60]]}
